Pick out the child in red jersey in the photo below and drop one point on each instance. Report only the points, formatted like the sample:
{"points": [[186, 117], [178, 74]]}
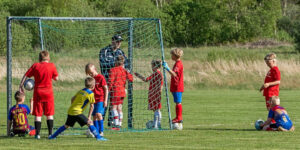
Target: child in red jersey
{"points": [[154, 93], [116, 83], [17, 117], [271, 85], [177, 85], [43, 99], [101, 94]]}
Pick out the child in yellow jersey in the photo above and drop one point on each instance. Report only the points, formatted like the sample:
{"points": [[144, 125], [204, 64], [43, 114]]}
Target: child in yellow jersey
{"points": [[78, 103]]}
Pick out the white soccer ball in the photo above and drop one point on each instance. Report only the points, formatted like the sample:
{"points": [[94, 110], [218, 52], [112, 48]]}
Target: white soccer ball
{"points": [[177, 126], [89, 134], [150, 124], [29, 84]]}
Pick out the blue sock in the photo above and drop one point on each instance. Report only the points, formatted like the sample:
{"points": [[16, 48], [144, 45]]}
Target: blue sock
{"points": [[101, 126], [94, 130], [58, 131], [96, 124]]}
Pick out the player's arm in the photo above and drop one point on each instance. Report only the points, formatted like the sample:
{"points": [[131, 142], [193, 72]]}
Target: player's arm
{"points": [[105, 89], [172, 73], [31, 105], [140, 76], [90, 111], [266, 85], [21, 88], [267, 122]]}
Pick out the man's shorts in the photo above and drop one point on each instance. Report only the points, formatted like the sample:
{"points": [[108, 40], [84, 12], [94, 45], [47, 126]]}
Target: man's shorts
{"points": [[81, 119], [98, 108], [116, 100], [40, 107], [177, 97]]}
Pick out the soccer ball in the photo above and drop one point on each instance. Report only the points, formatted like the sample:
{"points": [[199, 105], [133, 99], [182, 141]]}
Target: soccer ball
{"points": [[150, 124], [258, 123], [89, 134], [177, 126], [29, 84]]}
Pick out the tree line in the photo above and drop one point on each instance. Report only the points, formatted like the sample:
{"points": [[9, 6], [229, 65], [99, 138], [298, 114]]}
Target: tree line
{"points": [[185, 22]]}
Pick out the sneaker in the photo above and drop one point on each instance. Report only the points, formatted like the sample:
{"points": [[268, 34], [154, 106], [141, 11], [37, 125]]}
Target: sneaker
{"points": [[176, 121], [50, 137], [102, 139], [37, 137]]}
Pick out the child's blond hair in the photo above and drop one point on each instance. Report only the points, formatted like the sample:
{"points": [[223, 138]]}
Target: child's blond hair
{"points": [[44, 56], [88, 68], [177, 52], [89, 82], [120, 60], [275, 100], [156, 63], [271, 56], [19, 96]]}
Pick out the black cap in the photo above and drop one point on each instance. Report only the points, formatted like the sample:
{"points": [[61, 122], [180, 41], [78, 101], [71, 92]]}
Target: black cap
{"points": [[117, 37]]}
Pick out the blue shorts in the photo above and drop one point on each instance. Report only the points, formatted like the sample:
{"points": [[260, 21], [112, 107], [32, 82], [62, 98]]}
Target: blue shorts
{"points": [[98, 108], [177, 97]]}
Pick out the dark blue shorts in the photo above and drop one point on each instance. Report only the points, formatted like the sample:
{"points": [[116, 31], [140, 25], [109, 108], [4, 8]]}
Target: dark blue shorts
{"points": [[98, 108], [177, 97]]}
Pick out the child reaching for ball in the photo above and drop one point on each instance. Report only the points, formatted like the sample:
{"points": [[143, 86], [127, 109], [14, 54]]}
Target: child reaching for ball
{"points": [[116, 83], [177, 85], [280, 115], [154, 93]]}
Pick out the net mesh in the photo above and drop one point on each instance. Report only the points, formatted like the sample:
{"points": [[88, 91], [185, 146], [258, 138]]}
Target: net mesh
{"points": [[74, 43]]}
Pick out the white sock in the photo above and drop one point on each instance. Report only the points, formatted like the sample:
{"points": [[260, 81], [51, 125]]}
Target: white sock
{"points": [[120, 118], [116, 117], [157, 119]]}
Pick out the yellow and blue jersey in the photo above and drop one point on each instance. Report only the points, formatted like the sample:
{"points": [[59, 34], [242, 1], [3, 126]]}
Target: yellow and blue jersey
{"points": [[82, 99]]}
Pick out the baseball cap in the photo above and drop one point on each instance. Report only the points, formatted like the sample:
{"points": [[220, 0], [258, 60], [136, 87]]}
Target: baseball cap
{"points": [[117, 37]]}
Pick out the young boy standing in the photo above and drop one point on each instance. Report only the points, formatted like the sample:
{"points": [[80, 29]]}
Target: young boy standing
{"points": [[177, 85], [154, 93], [117, 81], [78, 103], [43, 99], [18, 116], [100, 94]]}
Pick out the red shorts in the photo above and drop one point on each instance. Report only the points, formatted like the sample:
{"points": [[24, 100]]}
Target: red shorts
{"points": [[116, 100], [40, 107], [268, 101], [43, 94]]}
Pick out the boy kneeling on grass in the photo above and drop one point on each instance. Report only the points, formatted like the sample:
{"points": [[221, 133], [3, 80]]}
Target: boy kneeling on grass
{"points": [[78, 104], [280, 115]]}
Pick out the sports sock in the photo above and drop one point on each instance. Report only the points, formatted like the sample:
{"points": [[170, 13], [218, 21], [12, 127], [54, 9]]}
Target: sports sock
{"points": [[156, 119], [101, 125], [159, 119], [37, 125], [58, 131], [120, 118], [50, 126], [94, 131], [176, 108], [96, 124], [179, 117], [116, 117]]}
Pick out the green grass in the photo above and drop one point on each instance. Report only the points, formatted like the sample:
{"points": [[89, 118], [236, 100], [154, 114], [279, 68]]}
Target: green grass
{"points": [[213, 119]]}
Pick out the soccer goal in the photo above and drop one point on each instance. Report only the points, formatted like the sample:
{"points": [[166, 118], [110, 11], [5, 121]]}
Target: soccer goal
{"points": [[75, 41]]}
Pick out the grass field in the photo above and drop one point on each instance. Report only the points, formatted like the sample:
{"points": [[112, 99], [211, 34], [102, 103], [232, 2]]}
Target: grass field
{"points": [[213, 119]]}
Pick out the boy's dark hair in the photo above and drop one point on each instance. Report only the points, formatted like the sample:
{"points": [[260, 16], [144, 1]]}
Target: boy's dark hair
{"points": [[19, 96], [89, 82], [156, 63], [44, 55], [120, 60]]}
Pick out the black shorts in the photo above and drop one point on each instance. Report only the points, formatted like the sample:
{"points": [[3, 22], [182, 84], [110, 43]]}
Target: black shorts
{"points": [[81, 119]]}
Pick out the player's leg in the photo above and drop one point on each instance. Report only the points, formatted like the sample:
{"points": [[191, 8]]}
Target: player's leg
{"points": [[157, 119], [71, 120], [82, 120], [101, 118], [115, 114], [177, 99], [37, 112], [49, 112], [120, 114], [94, 114]]}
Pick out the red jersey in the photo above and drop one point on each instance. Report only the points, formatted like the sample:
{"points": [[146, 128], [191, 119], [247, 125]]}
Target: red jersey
{"points": [[98, 90], [177, 82], [272, 75], [43, 73], [18, 115], [117, 81], [154, 93]]}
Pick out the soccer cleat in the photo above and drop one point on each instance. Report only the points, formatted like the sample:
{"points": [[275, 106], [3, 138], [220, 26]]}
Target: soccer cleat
{"points": [[50, 137], [176, 121], [37, 137], [102, 139]]}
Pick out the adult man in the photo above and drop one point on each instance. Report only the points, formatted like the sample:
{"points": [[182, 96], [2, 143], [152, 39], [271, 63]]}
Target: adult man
{"points": [[107, 59]]}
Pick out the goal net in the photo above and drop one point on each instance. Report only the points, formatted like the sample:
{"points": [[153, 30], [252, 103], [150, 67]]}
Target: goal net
{"points": [[74, 42]]}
